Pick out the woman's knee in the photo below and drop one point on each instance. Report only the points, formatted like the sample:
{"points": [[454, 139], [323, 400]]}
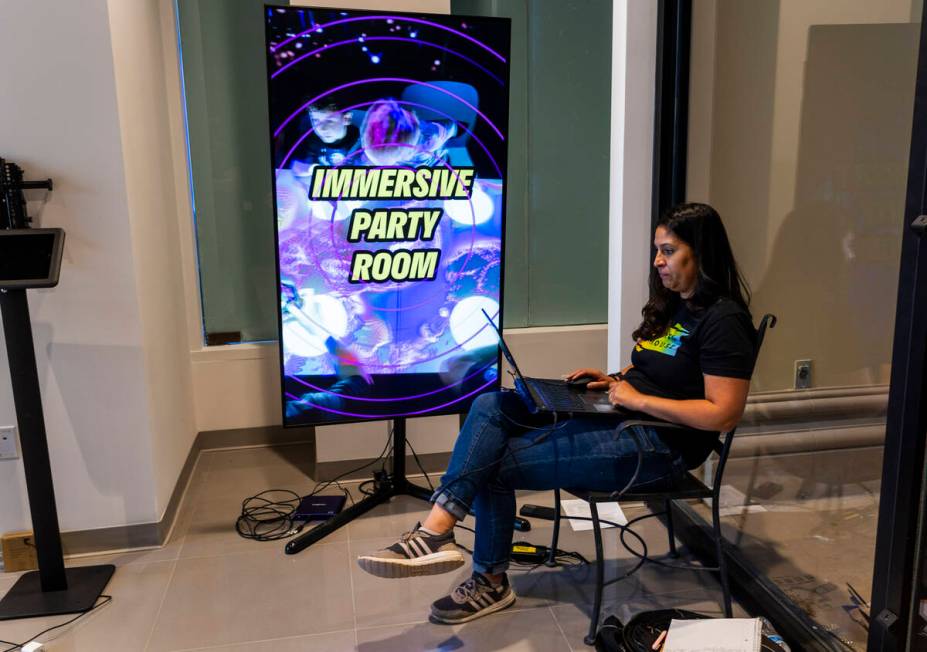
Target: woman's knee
{"points": [[488, 404], [487, 400]]}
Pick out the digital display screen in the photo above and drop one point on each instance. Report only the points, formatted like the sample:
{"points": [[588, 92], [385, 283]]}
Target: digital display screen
{"points": [[388, 140], [26, 256]]}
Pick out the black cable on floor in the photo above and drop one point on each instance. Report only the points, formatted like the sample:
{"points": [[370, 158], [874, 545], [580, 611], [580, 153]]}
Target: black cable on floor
{"points": [[420, 467], [263, 519], [18, 646]]}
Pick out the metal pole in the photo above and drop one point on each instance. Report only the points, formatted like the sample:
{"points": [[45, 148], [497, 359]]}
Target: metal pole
{"points": [[30, 418]]}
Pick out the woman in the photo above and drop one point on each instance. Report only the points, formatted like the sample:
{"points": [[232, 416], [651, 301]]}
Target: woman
{"points": [[692, 365]]}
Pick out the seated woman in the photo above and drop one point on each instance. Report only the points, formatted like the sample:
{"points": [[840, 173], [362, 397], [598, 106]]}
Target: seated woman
{"points": [[692, 364]]}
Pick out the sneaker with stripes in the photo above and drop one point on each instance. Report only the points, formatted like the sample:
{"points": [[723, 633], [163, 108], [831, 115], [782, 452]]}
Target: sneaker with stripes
{"points": [[416, 553], [474, 598]]}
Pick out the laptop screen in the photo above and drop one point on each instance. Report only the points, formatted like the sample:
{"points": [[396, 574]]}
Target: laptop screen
{"points": [[506, 353]]}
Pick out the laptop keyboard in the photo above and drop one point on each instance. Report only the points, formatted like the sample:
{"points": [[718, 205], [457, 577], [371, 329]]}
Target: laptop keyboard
{"points": [[557, 396]]}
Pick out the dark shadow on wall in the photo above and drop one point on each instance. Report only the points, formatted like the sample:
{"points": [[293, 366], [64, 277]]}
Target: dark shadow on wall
{"points": [[747, 43], [102, 390], [833, 270]]}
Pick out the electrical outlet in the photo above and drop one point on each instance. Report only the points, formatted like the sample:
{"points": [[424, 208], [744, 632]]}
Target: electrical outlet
{"points": [[803, 374], [8, 450]]}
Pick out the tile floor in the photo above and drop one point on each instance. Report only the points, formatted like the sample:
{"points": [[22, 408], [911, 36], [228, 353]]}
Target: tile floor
{"points": [[208, 589], [811, 528]]}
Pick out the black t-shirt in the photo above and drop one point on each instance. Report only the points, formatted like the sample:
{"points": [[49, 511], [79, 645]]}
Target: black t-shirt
{"points": [[718, 341]]}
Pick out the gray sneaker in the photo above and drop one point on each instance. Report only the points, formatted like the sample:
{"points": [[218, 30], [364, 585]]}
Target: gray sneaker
{"points": [[416, 553], [474, 598]]}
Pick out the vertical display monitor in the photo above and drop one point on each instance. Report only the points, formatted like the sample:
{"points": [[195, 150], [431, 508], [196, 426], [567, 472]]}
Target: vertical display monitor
{"points": [[388, 140]]}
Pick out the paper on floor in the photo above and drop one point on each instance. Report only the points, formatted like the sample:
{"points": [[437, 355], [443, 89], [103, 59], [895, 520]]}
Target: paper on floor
{"points": [[733, 502], [607, 512], [714, 635]]}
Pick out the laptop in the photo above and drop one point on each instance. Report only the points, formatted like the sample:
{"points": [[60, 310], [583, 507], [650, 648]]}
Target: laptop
{"points": [[554, 395]]}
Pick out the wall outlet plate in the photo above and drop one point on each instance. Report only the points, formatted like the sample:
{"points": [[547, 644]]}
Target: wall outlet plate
{"points": [[8, 448], [803, 374]]}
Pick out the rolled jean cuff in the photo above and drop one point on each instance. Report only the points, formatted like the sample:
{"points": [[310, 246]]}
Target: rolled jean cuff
{"points": [[450, 504], [491, 569]]}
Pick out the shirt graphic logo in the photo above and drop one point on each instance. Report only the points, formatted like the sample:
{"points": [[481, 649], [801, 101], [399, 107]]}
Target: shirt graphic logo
{"points": [[667, 344]]}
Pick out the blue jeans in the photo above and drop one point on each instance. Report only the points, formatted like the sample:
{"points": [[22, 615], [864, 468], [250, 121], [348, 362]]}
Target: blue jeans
{"points": [[502, 447]]}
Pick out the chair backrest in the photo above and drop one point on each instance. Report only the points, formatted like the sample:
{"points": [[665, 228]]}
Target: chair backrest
{"points": [[723, 449]]}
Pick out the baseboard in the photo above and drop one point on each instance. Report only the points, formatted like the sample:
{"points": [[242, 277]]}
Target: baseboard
{"points": [[150, 535], [433, 463]]}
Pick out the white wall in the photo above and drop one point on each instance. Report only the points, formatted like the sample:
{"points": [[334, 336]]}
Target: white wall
{"points": [[111, 339], [140, 33], [634, 47], [59, 119]]}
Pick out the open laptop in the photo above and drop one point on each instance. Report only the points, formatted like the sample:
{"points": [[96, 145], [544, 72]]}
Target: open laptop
{"points": [[550, 395]]}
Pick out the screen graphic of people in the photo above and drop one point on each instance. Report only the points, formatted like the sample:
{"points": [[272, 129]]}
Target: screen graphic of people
{"points": [[332, 140], [392, 135]]}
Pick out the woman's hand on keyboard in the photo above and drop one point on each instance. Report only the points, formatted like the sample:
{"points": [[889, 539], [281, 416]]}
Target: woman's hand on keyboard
{"points": [[599, 382]]}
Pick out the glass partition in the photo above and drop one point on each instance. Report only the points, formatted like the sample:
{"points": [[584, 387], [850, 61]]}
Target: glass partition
{"points": [[799, 134], [222, 48]]}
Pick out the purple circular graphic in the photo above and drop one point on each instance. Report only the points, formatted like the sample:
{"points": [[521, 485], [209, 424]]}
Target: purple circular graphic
{"points": [[436, 408], [319, 28], [389, 329], [355, 40], [393, 399], [369, 80]]}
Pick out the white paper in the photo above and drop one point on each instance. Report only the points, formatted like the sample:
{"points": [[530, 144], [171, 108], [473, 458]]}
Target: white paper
{"points": [[607, 512], [714, 635], [733, 502]]}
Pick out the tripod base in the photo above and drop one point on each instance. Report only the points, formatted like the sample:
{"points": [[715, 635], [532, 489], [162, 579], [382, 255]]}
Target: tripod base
{"points": [[27, 600], [384, 492]]}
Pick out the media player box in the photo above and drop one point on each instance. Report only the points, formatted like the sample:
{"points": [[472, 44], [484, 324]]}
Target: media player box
{"points": [[318, 508]]}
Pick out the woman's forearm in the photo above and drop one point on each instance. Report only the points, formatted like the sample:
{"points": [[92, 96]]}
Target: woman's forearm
{"points": [[695, 413]]}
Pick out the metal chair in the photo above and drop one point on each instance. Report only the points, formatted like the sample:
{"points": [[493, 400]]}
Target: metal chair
{"points": [[688, 488]]}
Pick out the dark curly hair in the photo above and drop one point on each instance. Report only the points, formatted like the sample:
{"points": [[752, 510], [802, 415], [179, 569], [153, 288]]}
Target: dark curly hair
{"points": [[700, 227]]}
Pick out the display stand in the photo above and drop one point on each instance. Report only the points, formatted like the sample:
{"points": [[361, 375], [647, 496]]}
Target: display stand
{"points": [[53, 589], [396, 484]]}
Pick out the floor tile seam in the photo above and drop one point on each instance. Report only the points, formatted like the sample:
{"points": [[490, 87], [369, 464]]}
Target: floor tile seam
{"points": [[126, 551], [560, 627], [509, 611], [347, 535], [677, 592], [59, 631], [647, 595], [353, 595], [263, 640], [157, 616], [186, 502], [248, 552], [192, 499]]}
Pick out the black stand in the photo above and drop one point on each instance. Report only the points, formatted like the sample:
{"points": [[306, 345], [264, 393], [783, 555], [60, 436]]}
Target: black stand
{"points": [[53, 589], [396, 485]]}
